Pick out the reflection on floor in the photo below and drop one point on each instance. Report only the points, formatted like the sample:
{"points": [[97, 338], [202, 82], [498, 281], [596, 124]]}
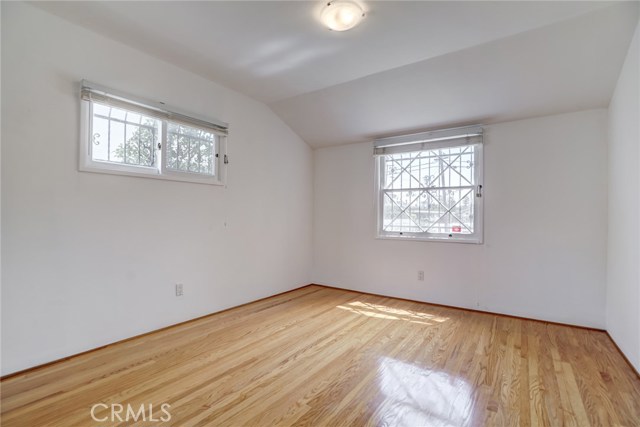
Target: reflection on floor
{"points": [[416, 396], [325, 357]]}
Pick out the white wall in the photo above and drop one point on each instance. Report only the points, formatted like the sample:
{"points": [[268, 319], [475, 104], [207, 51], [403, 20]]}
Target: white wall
{"points": [[623, 255], [89, 259], [545, 226]]}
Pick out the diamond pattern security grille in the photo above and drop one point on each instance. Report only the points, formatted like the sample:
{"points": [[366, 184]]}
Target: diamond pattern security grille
{"points": [[430, 191]]}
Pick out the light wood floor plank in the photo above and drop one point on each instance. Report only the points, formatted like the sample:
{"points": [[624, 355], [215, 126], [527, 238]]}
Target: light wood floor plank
{"points": [[326, 357]]}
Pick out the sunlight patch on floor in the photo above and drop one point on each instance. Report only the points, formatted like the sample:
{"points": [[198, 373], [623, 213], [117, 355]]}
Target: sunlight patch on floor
{"points": [[390, 313]]}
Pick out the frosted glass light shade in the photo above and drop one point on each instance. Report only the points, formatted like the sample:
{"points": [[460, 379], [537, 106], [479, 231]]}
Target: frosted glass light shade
{"points": [[341, 15]]}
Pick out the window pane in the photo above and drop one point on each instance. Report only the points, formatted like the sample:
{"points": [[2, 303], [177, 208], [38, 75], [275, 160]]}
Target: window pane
{"points": [[121, 136], [133, 117], [430, 191], [117, 113], [100, 141], [403, 171], [451, 211], [190, 149], [402, 211], [116, 141], [100, 109]]}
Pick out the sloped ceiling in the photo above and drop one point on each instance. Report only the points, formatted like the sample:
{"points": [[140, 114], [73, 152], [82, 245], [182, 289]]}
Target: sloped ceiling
{"points": [[563, 67], [409, 66]]}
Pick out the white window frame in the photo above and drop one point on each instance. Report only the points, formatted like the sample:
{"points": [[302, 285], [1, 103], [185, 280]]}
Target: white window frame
{"points": [[447, 138], [160, 171]]}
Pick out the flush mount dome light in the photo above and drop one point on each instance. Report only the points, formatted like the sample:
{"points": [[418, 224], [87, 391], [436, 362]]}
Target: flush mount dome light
{"points": [[341, 15]]}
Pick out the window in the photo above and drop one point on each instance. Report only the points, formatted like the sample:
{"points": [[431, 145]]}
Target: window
{"points": [[429, 186], [124, 135]]}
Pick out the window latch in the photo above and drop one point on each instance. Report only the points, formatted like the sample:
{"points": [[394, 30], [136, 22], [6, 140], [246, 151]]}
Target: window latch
{"points": [[478, 190], [226, 160]]}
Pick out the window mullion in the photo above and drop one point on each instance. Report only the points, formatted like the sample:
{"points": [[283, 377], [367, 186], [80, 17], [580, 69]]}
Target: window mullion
{"points": [[124, 139], [108, 136], [162, 161]]}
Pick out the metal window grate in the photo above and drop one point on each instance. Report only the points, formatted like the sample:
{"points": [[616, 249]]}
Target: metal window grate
{"points": [[190, 149], [121, 136], [429, 191]]}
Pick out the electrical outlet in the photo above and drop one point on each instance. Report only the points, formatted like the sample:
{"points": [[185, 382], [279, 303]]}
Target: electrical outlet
{"points": [[421, 275], [179, 289]]}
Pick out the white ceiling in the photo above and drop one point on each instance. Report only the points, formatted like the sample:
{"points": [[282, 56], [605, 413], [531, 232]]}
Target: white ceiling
{"points": [[408, 66], [564, 67]]}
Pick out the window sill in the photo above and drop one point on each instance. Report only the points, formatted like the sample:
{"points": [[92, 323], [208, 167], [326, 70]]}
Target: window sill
{"points": [[151, 173], [468, 240]]}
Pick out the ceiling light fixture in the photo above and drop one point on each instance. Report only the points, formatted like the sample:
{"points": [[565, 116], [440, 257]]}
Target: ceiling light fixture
{"points": [[341, 15]]}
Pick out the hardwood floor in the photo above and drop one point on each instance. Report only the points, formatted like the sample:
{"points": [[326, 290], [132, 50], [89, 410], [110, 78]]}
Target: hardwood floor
{"points": [[326, 357]]}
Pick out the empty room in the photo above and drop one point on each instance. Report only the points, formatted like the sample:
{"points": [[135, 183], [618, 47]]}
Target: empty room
{"points": [[320, 213]]}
